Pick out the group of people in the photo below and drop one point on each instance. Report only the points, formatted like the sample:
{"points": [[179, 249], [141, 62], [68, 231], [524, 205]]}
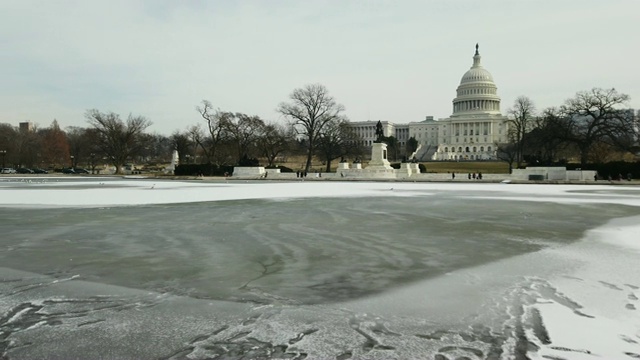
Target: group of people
{"points": [[470, 176], [610, 178], [301, 174]]}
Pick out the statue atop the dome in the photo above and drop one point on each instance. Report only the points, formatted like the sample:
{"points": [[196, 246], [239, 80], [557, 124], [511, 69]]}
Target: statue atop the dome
{"points": [[477, 49], [379, 132]]}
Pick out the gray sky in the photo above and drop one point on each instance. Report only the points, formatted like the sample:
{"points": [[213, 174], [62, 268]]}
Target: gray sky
{"points": [[383, 60]]}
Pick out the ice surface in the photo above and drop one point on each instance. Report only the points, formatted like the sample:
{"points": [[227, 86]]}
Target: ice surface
{"points": [[166, 269]]}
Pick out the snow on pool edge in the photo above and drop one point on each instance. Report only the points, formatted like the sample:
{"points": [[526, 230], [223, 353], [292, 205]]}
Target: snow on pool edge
{"points": [[148, 192]]}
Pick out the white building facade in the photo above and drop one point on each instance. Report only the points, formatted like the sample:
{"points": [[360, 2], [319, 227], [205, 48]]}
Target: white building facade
{"points": [[470, 133], [367, 130]]}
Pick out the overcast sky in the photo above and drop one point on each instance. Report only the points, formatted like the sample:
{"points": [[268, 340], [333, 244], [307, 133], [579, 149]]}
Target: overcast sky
{"points": [[397, 61]]}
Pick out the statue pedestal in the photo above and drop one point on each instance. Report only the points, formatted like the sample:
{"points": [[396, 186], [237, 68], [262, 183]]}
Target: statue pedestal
{"points": [[379, 157]]}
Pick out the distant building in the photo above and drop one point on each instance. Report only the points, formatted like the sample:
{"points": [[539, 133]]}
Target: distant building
{"points": [[470, 133], [366, 130], [26, 126]]}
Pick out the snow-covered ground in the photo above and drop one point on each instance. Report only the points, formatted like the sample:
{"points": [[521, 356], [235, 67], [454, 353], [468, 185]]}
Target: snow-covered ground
{"points": [[562, 282]]}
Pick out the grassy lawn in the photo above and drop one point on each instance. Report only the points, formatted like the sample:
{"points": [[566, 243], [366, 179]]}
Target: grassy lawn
{"points": [[485, 167]]}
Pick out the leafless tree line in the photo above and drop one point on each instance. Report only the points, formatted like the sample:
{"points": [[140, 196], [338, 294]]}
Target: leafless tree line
{"points": [[316, 127], [109, 141], [315, 124], [591, 127]]}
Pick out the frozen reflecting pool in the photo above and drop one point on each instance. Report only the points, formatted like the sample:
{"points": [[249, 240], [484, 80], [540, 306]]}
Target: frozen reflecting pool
{"points": [[98, 268]]}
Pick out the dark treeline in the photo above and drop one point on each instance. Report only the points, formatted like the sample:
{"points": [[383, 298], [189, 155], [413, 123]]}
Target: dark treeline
{"points": [[594, 127], [591, 128], [316, 128]]}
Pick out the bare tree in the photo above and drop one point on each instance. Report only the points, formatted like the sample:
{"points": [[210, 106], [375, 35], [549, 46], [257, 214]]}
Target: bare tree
{"points": [[82, 143], [198, 137], [28, 147], [182, 142], [117, 139], [310, 109], [8, 144], [625, 132], [155, 148], [216, 132], [337, 139], [544, 142], [521, 122], [243, 131], [507, 152], [275, 139], [55, 147], [592, 117], [19, 147], [635, 147]]}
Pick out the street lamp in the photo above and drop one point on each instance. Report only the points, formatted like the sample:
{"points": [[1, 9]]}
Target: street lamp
{"points": [[3, 153], [72, 161], [188, 158]]}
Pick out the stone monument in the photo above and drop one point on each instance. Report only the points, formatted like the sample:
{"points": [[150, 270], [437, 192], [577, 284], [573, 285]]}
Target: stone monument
{"points": [[175, 159], [379, 152]]}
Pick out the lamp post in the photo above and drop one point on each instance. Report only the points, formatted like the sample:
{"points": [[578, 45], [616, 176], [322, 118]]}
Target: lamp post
{"points": [[3, 153], [72, 161], [93, 164]]}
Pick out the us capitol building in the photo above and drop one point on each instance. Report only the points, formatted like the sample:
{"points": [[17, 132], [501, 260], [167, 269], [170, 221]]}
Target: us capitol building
{"points": [[470, 133]]}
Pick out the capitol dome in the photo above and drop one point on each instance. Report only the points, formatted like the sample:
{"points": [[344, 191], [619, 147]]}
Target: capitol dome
{"points": [[477, 93], [476, 74]]}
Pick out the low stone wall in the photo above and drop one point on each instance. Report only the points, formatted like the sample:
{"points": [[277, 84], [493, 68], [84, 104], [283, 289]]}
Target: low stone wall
{"points": [[366, 173], [271, 171], [248, 171], [553, 174], [411, 172], [581, 174], [545, 173]]}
